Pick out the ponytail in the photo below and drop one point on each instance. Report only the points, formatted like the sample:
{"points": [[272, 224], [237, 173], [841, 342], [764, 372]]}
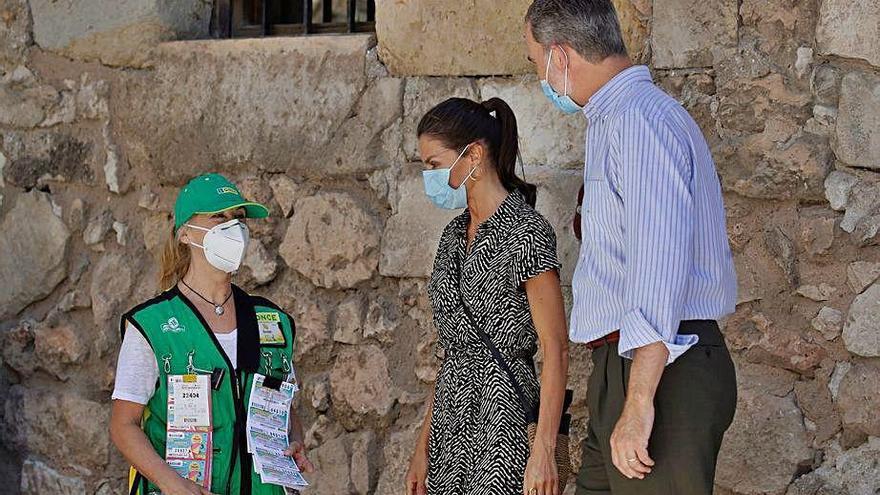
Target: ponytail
{"points": [[508, 150], [460, 121], [174, 262]]}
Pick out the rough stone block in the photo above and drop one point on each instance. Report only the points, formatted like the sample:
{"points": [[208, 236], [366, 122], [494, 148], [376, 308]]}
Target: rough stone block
{"points": [[856, 402], [547, 137], [15, 34], [861, 333], [422, 94], [557, 201], [850, 29], [297, 105], [861, 274], [685, 32], [398, 451], [423, 37], [38, 478], [769, 427], [851, 472], [119, 33], [34, 244], [858, 120], [333, 239], [58, 426], [412, 232], [361, 386], [111, 284]]}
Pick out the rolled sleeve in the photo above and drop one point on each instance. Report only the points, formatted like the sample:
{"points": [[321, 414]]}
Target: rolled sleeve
{"points": [[636, 331], [655, 170]]}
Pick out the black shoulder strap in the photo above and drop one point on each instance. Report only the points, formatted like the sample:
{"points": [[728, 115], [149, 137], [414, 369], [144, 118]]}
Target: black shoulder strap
{"points": [[248, 345], [530, 413]]}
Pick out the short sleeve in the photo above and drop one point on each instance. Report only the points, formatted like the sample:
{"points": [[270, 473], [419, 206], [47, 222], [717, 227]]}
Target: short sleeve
{"points": [[136, 369], [535, 249]]}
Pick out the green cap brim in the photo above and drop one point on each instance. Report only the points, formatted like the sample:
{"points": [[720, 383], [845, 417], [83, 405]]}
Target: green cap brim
{"points": [[251, 209]]}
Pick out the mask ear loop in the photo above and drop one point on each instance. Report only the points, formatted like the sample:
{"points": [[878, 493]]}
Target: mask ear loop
{"points": [[470, 175], [565, 74]]}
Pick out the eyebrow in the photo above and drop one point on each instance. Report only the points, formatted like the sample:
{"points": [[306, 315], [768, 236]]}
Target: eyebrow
{"points": [[435, 155]]}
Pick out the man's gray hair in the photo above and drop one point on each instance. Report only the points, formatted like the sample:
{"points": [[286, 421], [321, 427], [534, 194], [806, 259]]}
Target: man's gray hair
{"points": [[590, 27]]}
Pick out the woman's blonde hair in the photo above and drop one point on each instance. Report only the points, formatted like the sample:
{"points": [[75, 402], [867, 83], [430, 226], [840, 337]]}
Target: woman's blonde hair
{"points": [[174, 262]]}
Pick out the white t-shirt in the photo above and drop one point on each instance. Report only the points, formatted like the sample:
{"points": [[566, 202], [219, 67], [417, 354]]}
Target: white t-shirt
{"points": [[137, 369]]}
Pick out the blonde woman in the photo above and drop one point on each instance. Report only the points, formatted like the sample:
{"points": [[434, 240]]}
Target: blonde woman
{"points": [[201, 324]]}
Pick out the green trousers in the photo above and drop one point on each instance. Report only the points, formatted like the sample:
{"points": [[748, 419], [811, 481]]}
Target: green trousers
{"points": [[694, 405]]}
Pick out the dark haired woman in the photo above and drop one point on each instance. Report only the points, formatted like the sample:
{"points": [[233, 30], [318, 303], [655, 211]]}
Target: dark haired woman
{"points": [[495, 276]]}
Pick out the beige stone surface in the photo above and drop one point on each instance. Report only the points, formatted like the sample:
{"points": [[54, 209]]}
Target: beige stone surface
{"points": [[360, 385], [31, 223], [858, 121], [770, 428], [242, 95], [59, 426], [332, 230], [850, 29], [856, 404], [119, 33], [430, 38], [861, 333], [423, 93], [413, 230], [92, 154], [15, 34], [685, 33], [38, 478], [547, 136]]}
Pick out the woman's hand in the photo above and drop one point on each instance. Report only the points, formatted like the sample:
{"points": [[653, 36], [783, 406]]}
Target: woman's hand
{"points": [[298, 452], [541, 477], [183, 486], [417, 473]]}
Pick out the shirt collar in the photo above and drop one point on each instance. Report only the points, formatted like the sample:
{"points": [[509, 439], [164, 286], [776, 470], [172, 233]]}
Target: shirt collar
{"points": [[504, 214], [604, 100]]}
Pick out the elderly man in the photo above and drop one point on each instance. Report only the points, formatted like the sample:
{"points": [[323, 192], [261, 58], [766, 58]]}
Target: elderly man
{"points": [[655, 269]]}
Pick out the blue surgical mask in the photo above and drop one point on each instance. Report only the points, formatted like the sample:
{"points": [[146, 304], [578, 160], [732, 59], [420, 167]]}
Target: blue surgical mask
{"points": [[440, 192], [562, 102]]}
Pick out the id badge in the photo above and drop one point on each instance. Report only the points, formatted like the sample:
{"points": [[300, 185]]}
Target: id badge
{"points": [[269, 325], [189, 401]]}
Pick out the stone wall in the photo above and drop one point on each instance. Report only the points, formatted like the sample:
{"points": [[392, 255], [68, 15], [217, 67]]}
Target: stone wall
{"points": [[102, 120]]}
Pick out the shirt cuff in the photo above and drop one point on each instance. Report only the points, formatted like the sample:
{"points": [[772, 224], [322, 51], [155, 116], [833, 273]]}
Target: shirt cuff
{"points": [[137, 399], [636, 331]]}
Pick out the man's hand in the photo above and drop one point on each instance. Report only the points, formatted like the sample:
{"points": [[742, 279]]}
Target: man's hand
{"points": [[629, 441]]}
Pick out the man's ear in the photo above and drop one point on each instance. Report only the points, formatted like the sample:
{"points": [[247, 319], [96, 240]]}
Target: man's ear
{"points": [[560, 57]]}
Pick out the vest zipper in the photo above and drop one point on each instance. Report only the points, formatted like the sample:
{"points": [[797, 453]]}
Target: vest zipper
{"points": [[238, 429]]}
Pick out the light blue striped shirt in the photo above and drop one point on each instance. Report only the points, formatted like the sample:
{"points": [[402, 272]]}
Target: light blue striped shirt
{"points": [[654, 249]]}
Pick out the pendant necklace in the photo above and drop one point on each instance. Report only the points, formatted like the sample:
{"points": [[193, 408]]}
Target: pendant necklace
{"points": [[218, 308]]}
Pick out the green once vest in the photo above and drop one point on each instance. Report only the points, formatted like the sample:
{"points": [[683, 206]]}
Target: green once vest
{"points": [[175, 330]]}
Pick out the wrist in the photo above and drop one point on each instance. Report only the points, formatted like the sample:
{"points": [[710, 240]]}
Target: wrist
{"points": [[637, 403], [545, 441]]}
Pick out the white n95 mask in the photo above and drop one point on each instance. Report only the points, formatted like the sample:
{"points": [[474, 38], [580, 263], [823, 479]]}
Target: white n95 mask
{"points": [[224, 244]]}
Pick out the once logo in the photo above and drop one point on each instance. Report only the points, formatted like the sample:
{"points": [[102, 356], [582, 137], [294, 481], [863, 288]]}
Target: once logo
{"points": [[173, 326]]}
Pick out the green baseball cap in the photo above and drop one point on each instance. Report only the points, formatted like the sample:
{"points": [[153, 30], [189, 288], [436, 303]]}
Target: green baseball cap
{"points": [[212, 193]]}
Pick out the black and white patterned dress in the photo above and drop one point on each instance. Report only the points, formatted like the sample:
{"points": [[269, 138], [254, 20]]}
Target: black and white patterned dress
{"points": [[478, 442]]}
